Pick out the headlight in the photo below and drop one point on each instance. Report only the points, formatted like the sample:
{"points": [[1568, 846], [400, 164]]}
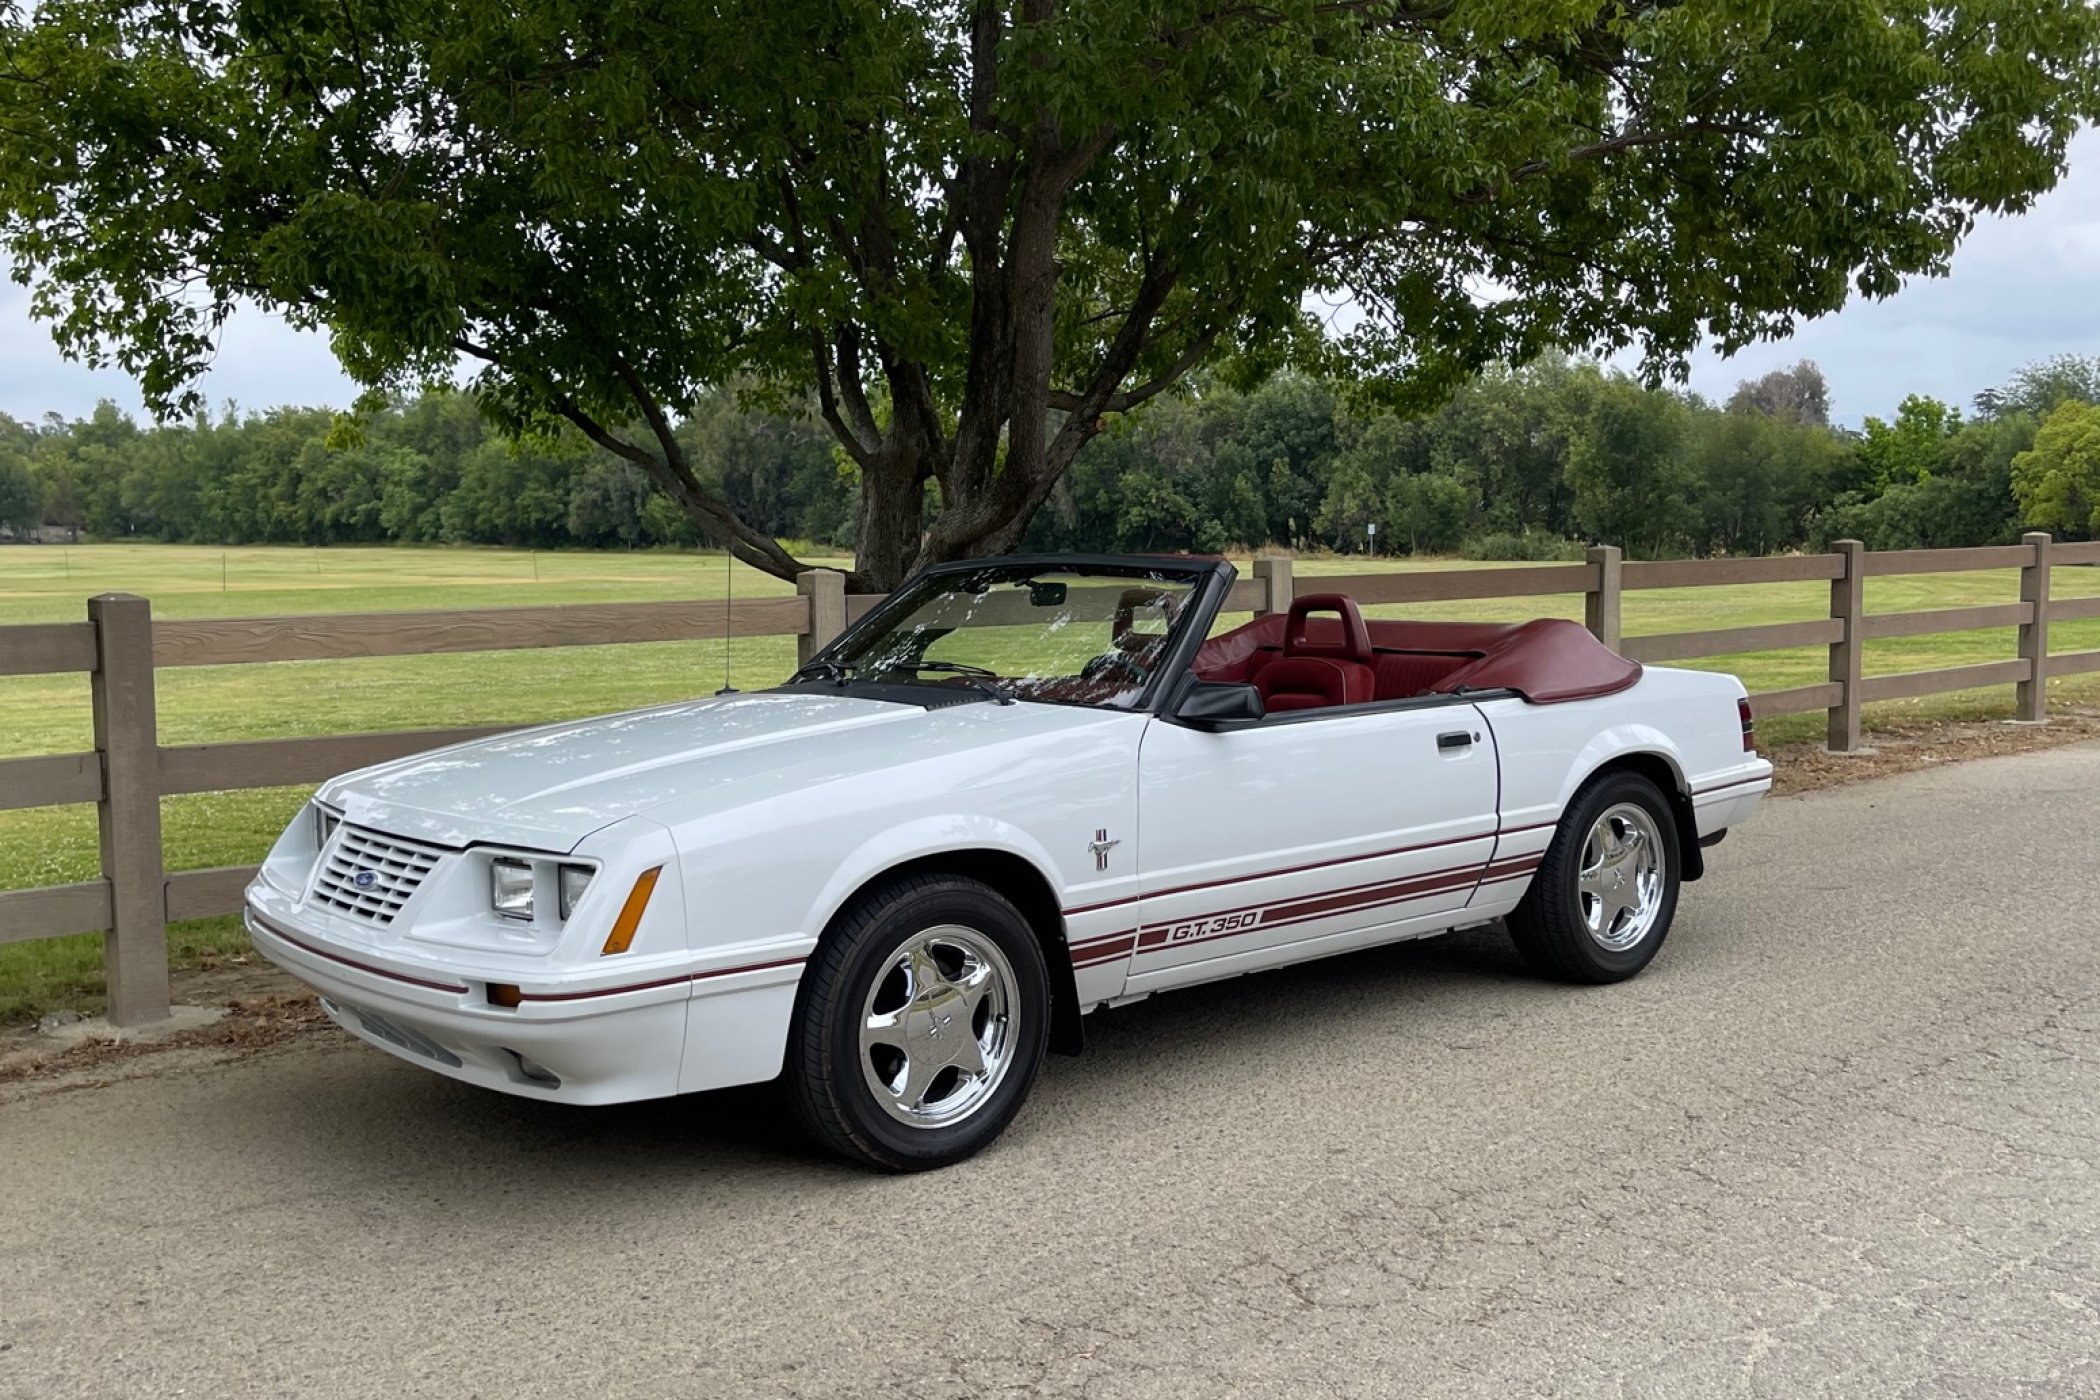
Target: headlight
{"points": [[325, 823], [574, 880], [510, 889]]}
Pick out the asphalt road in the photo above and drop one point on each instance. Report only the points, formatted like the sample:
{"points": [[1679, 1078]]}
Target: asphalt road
{"points": [[1842, 1139]]}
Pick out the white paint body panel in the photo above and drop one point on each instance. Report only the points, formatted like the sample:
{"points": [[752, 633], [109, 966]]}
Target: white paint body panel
{"points": [[766, 813], [1382, 825]]}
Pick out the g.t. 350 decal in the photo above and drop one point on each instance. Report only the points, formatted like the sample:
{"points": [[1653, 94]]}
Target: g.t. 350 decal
{"points": [[1211, 928]]}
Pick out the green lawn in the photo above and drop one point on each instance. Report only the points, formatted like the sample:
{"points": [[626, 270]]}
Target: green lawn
{"points": [[47, 714]]}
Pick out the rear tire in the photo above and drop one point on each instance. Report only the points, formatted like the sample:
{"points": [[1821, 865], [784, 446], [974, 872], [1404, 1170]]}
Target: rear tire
{"points": [[919, 1025], [1606, 891]]}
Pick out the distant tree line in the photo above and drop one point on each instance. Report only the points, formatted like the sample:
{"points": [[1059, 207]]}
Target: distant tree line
{"points": [[429, 470], [1520, 463]]}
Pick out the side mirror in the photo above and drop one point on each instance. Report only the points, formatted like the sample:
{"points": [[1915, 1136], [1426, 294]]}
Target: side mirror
{"points": [[1219, 705]]}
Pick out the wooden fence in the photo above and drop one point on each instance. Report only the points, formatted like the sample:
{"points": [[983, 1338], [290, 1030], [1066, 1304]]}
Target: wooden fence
{"points": [[127, 773]]}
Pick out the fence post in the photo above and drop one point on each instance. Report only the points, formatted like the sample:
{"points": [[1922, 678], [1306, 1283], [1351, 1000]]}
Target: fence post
{"points": [[135, 951], [1848, 604], [826, 591], [2032, 696], [1275, 569], [1600, 606]]}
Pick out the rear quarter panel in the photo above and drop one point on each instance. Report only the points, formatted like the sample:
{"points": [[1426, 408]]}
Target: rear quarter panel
{"points": [[1686, 718]]}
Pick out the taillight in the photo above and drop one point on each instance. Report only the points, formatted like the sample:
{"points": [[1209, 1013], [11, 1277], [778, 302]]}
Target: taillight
{"points": [[1742, 708]]}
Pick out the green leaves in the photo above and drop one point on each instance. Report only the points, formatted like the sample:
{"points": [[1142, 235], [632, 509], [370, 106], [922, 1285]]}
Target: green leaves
{"points": [[981, 221], [2058, 479]]}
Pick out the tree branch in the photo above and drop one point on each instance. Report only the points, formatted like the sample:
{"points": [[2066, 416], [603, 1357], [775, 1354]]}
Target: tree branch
{"points": [[1625, 141], [759, 550], [1125, 400], [862, 450], [851, 388], [1266, 17], [1116, 363]]}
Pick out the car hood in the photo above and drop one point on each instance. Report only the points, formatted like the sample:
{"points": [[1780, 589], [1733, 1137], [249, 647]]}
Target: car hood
{"points": [[547, 788]]}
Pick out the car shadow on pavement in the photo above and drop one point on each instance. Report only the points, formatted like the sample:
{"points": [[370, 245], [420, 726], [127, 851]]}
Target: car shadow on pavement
{"points": [[1157, 1050]]}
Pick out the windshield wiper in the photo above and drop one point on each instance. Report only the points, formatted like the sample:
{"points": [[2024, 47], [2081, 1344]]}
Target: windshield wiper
{"points": [[978, 676]]}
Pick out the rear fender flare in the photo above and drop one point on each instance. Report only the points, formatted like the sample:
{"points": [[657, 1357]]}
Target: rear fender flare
{"points": [[1643, 749]]}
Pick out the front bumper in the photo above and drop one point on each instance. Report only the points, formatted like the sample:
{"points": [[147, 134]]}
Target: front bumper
{"points": [[706, 1022], [630, 1047]]}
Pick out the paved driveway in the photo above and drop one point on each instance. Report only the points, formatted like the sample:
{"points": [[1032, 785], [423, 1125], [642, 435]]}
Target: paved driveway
{"points": [[1842, 1139]]}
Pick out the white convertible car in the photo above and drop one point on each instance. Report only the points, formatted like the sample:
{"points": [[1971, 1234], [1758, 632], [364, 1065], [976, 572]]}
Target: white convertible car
{"points": [[1020, 790]]}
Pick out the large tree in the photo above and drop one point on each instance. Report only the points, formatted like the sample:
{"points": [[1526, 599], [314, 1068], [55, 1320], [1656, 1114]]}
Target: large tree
{"points": [[21, 498], [2057, 480], [977, 231], [1799, 395]]}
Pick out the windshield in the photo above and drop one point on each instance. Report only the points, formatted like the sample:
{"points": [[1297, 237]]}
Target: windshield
{"points": [[1068, 636]]}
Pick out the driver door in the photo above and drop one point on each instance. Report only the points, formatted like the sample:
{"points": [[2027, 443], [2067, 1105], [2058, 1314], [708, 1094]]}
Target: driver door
{"points": [[1307, 833]]}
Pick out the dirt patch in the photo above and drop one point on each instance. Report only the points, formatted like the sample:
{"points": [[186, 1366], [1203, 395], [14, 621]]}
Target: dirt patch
{"points": [[270, 1010], [1907, 747]]}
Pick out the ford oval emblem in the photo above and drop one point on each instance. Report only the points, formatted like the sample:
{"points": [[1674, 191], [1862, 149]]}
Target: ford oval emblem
{"points": [[365, 879]]}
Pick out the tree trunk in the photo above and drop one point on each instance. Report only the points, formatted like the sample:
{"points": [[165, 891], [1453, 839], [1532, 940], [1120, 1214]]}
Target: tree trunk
{"points": [[887, 527]]}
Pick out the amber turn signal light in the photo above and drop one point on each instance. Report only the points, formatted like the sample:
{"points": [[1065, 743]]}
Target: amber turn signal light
{"points": [[503, 994], [630, 919]]}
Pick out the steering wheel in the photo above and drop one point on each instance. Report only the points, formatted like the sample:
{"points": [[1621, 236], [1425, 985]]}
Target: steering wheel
{"points": [[1114, 666]]}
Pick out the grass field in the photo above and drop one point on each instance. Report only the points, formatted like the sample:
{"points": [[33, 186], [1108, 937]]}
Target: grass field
{"points": [[49, 714]]}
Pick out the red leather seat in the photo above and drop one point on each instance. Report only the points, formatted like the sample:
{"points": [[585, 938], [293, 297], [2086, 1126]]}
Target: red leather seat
{"points": [[1316, 674], [1402, 675], [1312, 683], [1546, 661]]}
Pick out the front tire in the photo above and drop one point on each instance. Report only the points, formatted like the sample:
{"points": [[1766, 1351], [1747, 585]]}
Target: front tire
{"points": [[920, 1024], [1606, 891]]}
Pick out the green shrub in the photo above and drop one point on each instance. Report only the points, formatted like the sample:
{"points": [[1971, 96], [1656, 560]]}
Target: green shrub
{"points": [[1531, 546]]}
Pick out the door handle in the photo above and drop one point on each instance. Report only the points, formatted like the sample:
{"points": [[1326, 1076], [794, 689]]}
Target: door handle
{"points": [[1456, 739]]}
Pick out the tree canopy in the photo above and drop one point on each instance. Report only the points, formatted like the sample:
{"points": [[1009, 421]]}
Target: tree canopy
{"points": [[975, 233], [1799, 393], [2058, 479]]}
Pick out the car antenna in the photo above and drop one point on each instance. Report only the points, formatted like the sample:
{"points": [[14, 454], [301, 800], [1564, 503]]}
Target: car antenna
{"points": [[728, 600]]}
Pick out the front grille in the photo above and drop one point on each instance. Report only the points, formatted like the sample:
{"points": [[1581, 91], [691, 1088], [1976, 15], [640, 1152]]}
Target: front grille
{"points": [[396, 865]]}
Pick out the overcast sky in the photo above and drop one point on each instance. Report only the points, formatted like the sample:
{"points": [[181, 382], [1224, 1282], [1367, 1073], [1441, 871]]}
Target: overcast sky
{"points": [[2020, 289]]}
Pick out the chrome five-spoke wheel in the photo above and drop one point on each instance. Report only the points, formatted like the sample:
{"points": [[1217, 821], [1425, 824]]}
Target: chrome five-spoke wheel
{"points": [[1621, 881], [1601, 903], [920, 1022], [937, 1032]]}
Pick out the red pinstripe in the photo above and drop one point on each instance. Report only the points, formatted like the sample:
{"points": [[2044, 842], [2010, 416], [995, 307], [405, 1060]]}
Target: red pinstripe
{"points": [[1286, 870], [1300, 909], [305, 946], [660, 982], [1520, 830], [1724, 787], [318, 952]]}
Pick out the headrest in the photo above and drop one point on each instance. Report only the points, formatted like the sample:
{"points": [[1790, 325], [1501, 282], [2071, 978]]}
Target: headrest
{"points": [[1355, 644]]}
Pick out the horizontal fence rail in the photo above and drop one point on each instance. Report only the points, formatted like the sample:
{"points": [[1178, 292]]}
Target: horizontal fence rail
{"points": [[121, 646], [1722, 573], [232, 641], [1448, 586], [51, 780], [277, 762], [1732, 641], [46, 648]]}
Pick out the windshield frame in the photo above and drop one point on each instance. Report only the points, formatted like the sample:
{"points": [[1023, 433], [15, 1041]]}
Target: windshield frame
{"points": [[1210, 582]]}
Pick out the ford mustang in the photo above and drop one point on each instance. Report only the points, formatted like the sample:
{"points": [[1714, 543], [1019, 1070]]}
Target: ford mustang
{"points": [[1017, 791]]}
